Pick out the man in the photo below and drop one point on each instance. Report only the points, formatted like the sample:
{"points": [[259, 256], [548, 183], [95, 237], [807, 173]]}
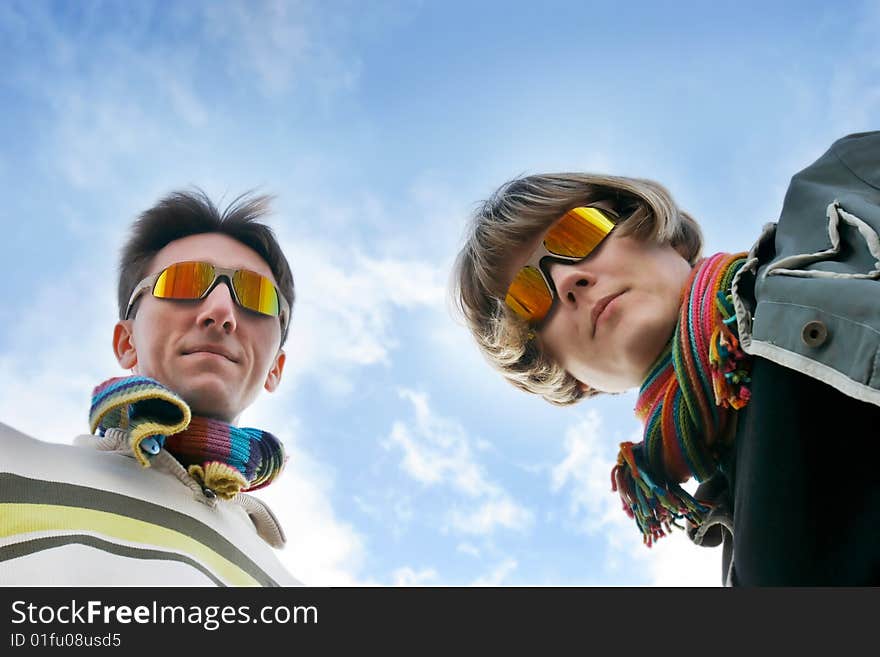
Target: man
{"points": [[157, 497], [758, 373]]}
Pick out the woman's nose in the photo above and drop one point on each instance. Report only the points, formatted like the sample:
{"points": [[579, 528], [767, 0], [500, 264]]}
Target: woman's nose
{"points": [[572, 281]]}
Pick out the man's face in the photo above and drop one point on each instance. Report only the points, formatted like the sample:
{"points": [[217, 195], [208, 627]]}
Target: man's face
{"points": [[212, 352], [616, 310]]}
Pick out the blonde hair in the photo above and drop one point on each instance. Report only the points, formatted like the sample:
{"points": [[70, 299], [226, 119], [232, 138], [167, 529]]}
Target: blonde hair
{"points": [[516, 214]]}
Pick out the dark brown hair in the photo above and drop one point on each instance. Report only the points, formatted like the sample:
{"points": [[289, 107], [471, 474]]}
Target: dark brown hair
{"points": [[181, 214]]}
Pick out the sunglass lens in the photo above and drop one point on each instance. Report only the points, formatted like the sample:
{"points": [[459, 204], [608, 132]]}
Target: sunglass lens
{"points": [[578, 232], [256, 292], [528, 295], [184, 280]]}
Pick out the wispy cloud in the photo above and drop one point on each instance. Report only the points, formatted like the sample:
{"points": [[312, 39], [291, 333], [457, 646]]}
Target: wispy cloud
{"points": [[406, 576], [501, 513], [584, 472], [853, 99], [141, 89], [281, 44], [438, 452], [498, 575], [469, 549], [322, 549], [345, 309], [57, 354]]}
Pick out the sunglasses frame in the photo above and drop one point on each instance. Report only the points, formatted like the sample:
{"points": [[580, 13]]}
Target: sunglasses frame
{"points": [[542, 255], [227, 273]]}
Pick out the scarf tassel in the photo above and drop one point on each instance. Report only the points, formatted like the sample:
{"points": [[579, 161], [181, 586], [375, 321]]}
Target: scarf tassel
{"points": [[654, 508]]}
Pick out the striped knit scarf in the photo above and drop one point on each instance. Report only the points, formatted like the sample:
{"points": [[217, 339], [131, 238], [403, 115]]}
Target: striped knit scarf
{"points": [[688, 403], [224, 459]]}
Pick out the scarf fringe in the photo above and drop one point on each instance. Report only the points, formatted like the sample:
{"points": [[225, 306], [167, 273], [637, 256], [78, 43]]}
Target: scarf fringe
{"points": [[654, 508], [686, 402]]}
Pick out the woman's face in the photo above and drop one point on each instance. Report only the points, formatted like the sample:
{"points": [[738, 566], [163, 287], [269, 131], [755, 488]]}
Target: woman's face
{"points": [[615, 312]]}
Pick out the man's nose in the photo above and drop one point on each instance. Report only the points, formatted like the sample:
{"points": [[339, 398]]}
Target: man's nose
{"points": [[218, 308], [574, 282]]}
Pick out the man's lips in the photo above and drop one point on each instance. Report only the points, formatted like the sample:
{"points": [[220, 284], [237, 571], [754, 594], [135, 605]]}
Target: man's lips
{"points": [[211, 349], [600, 306]]}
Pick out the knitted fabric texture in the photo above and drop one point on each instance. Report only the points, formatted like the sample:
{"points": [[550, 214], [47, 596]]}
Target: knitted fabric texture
{"points": [[224, 458], [687, 403]]}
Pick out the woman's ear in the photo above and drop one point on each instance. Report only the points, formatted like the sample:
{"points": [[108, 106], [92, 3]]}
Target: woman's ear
{"points": [[682, 250], [586, 390], [123, 344]]}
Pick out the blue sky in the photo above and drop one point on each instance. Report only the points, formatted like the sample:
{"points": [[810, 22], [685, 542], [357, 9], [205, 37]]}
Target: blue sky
{"points": [[378, 126]]}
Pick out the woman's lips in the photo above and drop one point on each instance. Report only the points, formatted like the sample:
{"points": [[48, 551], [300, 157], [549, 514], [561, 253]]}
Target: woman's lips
{"points": [[600, 307]]}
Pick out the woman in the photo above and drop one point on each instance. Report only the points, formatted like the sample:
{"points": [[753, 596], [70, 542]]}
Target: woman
{"points": [[759, 373]]}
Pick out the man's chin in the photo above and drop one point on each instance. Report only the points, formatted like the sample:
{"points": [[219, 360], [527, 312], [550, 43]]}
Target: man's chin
{"points": [[209, 400]]}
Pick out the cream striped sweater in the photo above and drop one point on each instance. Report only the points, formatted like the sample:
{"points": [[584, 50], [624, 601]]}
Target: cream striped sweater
{"points": [[89, 515]]}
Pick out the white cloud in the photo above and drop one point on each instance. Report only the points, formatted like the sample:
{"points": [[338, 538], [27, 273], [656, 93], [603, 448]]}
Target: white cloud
{"points": [[345, 305], [585, 470], [469, 549], [438, 452], [424, 467], [497, 575], [60, 349], [128, 91], [492, 515], [281, 45], [321, 549], [406, 576], [390, 509], [853, 98], [675, 561], [269, 39], [584, 473]]}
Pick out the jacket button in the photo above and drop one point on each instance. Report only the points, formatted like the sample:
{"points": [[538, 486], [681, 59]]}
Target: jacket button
{"points": [[814, 334]]}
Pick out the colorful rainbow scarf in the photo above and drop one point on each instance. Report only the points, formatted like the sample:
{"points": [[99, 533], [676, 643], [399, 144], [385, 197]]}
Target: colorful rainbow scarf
{"points": [[688, 403], [224, 458]]}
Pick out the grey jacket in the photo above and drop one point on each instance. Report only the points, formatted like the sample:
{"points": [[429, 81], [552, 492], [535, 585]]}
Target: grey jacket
{"points": [[808, 300], [808, 296]]}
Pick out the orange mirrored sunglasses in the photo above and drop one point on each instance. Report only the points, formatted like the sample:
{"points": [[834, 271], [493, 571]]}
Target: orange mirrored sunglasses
{"points": [[195, 280], [571, 239]]}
